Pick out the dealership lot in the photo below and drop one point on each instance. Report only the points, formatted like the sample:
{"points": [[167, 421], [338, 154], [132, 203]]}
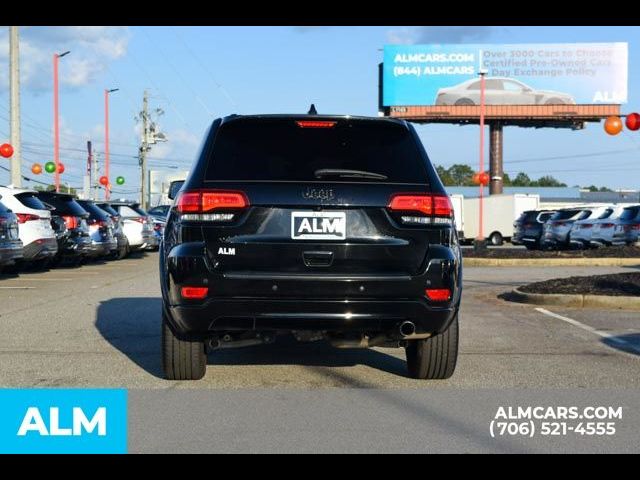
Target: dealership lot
{"points": [[99, 325]]}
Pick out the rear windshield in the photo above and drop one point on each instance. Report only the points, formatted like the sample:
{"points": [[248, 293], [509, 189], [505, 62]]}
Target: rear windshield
{"points": [[63, 205], [109, 209], [565, 214], [140, 211], [3, 209], [94, 212], [528, 216], [127, 211], [280, 150], [30, 200], [606, 214], [546, 216], [629, 213]]}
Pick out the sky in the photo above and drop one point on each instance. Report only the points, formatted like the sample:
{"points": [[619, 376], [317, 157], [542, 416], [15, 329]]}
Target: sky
{"points": [[196, 74]]}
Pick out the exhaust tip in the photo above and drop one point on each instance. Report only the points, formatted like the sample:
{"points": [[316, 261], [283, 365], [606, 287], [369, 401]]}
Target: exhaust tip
{"points": [[407, 329]]}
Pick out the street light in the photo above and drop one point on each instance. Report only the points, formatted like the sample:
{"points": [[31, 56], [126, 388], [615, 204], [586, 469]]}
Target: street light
{"points": [[56, 125], [107, 187]]}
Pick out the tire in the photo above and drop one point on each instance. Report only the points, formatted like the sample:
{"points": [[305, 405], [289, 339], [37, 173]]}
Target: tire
{"points": [[464, 101], [434, 358], [122, 254], [496, 239], [181, 359]]}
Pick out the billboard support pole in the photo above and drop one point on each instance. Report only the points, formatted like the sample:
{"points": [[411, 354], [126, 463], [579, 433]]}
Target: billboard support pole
{"points": [[480, 242], [495, 159]]}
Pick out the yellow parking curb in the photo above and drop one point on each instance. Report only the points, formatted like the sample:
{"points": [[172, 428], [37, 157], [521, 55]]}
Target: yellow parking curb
{"points": [[577, 300], [550, 262]]}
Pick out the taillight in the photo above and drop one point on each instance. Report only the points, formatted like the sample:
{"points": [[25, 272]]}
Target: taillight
{"points": [[434, 208], [438, 294], [194, 293], [26, 217], [139, 219], [606, 225], [315, 124], [97, 223], [635, 226], [586, 225], [557, 224], [197, 205], [71, 222]]}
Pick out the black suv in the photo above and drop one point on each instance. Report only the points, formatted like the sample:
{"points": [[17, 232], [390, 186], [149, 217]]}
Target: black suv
{"points": [[324, 227]]}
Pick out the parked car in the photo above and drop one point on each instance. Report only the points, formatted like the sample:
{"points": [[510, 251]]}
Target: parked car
{"points": [[627, 228], [528, 228], [10, 245], [500, 91], [137, 226], [557, 229], [34, 225], [160, 212], [103, 241], [604, 229], [311, 226], [118, 231], [158, 232], [69, 221], [582, 230]]}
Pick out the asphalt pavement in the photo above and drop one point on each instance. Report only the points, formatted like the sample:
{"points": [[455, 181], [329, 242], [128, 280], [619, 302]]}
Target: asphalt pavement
{"points": [[99, 325]]}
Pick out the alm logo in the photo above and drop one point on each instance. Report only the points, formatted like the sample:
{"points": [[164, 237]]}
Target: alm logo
{"points": [[34, 422]]}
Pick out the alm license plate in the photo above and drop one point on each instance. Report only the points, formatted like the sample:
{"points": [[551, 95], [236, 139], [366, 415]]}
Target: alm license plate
{"points": [[318, 225]]}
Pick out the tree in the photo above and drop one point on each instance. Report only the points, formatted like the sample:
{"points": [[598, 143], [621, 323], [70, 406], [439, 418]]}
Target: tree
{"points": [[461, 175], [443, 173], [549, 181], [521, 180]]}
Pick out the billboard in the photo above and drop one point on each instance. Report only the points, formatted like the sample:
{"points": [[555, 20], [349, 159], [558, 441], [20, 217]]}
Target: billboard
{"points": [[523, 74]]}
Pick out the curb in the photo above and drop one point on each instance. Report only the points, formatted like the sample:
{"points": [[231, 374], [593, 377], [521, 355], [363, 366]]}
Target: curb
{"points": [[550, 262], [577, 300]]}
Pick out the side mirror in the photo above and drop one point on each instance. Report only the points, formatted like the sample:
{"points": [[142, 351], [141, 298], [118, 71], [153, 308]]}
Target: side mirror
{"points": [[174, 189]]}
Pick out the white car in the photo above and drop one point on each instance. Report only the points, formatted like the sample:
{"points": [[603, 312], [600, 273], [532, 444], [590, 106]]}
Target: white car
{"points": [[34, 224], [136, 225], [500, 91], [604, 228]]}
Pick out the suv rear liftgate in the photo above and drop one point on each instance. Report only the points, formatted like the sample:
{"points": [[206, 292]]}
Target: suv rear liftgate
{"points": [[331, 228]]}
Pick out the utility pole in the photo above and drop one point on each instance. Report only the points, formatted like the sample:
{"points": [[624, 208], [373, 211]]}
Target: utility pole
{"points": [[150, 136], [107, 187], [56, 117], [143, 150], [14, 67], [87, 174], [96, 185]]}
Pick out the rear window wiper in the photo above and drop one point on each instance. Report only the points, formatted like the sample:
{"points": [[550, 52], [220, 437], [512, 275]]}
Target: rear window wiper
{"points": [[339, 172]]}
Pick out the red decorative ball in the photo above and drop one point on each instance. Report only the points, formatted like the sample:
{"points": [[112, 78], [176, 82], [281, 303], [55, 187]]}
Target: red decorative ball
{"points": [[633, 121], [60, 168], [484, 178], [104, 181], [6, 150]]}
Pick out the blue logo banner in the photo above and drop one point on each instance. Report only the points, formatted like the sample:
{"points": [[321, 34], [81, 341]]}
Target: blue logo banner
{"points": [[521, 74], [63, 421]]}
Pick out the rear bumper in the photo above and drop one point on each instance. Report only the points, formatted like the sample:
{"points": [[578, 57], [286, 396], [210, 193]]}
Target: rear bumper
{"points": [[75, 247], [40, 249], [306, 301], [10, 252], [342, 315]]}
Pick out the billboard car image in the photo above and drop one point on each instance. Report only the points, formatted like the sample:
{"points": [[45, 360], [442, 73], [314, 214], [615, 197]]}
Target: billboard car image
{"points": [[500, 91]]}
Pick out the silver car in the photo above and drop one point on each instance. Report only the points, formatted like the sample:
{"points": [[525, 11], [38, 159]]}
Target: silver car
{"points": [[556, 230], [627, 230], [500, 91]]}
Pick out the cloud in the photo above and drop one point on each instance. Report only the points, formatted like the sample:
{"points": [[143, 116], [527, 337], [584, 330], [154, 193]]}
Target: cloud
{"points": [[92, 48], [465, 34]]}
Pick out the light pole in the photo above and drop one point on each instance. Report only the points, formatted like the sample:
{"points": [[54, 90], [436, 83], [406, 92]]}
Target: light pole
{"points": [[56, 123], [107, 187], [480, 242]]}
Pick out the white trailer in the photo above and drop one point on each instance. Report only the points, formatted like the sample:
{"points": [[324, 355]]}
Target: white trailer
{"points": [[500, 211], [457, 201]]}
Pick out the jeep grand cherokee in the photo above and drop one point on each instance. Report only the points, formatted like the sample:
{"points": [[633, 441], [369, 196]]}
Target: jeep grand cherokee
{"points": [[332, 228]]}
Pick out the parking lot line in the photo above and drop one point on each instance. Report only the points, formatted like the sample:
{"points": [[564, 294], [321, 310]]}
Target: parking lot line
{"points": [[17, 288], [588, 328]]}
